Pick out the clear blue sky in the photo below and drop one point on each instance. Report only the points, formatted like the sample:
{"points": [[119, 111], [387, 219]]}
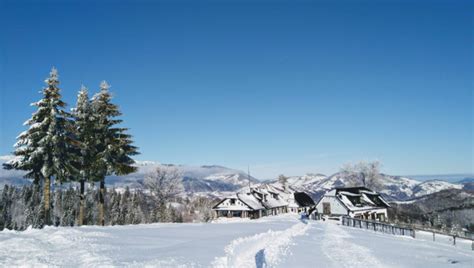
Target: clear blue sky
{"points": [[283, 87]]}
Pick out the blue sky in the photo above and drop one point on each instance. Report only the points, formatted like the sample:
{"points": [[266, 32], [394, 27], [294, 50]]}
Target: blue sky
{"points": [[285, 87]]}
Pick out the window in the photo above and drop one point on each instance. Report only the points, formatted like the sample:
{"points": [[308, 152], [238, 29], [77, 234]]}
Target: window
{"points": [[326, 208], [232, 201]]}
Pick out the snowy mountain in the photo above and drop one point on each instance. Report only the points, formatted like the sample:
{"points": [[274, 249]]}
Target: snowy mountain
{"points": [[466, 180], [209, 180], [393, 187], [217, 181], [434, 186], [11, 177]]}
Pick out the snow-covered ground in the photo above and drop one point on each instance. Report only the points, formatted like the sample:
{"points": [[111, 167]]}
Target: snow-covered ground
{"points": [[279, 241]]}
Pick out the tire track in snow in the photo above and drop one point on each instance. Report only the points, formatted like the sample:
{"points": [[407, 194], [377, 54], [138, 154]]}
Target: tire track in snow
{"points": [[344, 253], [260, 250]]}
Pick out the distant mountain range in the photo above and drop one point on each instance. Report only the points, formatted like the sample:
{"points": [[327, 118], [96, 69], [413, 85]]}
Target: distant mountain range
{"points": [[454, 178], [450, 207], [394, 188], [217, 181]]}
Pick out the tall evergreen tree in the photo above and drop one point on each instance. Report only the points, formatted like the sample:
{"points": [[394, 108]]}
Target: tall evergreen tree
{"points": [[85, 129], [113, 144], [44, 150]]}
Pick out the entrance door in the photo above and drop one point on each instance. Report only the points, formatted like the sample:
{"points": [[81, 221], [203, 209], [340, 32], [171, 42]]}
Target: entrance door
{"points": [[326, 208]]}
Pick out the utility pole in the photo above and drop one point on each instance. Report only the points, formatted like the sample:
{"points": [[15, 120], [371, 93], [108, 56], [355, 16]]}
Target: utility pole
{"points": [[248, 177]]}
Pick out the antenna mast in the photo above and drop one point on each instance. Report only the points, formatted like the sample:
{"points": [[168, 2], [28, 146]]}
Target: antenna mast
{"points": [[248, 176]]}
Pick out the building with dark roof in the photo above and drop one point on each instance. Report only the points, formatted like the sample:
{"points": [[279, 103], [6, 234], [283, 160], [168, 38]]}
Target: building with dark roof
{"points": [[357, 202], [263, 200]]}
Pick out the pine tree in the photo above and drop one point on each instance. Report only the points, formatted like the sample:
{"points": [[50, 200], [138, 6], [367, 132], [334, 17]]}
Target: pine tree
{"points": [[44, 150], [114, 147], [84, 128]]}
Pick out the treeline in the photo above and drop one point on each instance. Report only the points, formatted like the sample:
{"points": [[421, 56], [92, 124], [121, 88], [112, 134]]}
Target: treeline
{"points": [[83, 145], [21, 207]]}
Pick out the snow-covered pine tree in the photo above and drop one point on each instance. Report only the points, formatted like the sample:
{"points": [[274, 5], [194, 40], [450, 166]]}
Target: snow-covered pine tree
{"points": [[45, 149], [85, 134], [113, 144]]}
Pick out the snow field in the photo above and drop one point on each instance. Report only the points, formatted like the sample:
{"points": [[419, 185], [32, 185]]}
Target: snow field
{"points": [[328, 244], [42, 247], [336, 247], [461, 243], [275, 241]]}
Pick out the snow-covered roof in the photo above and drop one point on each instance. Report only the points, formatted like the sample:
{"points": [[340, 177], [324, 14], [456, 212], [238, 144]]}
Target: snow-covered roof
{"points": [[349, 193], [250, 200], [368, 192], [358, 198], [331, 193], [264, 196], [368, 200], [271, 202]]}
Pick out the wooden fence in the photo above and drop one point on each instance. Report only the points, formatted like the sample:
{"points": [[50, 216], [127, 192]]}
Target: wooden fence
{"points": [[455, 240], [378, 226]]}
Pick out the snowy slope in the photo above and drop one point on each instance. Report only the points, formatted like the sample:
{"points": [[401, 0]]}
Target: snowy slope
{"points": [[279, 241], [332, 245], [433, 186]]}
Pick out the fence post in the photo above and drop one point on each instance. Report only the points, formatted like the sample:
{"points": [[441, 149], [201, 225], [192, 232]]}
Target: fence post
{"points": [[414, 233], [454, 240], [434, 237]]}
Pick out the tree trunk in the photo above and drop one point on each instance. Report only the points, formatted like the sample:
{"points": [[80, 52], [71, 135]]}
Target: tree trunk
{"points": [[46, 196], [81, 204], [101, 202]]}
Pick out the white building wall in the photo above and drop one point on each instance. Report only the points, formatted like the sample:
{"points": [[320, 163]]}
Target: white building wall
{"points": [[238, 204], [336, 207]]}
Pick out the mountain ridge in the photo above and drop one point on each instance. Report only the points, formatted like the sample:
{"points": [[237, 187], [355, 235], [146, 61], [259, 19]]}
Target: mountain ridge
{"points": [[217, 181]]}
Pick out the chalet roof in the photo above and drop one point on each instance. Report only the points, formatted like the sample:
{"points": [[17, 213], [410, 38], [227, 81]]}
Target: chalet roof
{"points": [[265, 196], [271, 202], [349, 193], [358, 198], [303, 199], [250, 200], [355, 190]]}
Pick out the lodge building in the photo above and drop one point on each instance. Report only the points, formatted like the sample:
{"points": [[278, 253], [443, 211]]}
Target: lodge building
{"points": [[263, 200]]}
